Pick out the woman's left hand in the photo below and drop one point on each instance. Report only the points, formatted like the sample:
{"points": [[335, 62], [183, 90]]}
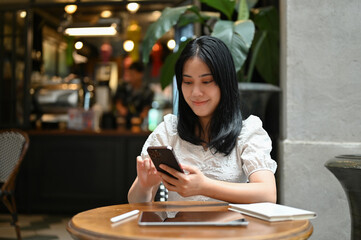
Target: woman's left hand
{"points": [[185, 184]]}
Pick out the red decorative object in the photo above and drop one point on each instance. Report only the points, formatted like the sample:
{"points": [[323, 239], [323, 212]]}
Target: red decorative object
{"points": [[156, 56], [106, 52]]}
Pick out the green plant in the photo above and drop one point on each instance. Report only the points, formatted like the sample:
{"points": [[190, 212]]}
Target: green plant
{"points": [[237, 34], [264, 53]]}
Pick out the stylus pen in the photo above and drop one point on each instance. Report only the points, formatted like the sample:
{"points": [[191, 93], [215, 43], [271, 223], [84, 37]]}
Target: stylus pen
{"points": [[124, 216]]}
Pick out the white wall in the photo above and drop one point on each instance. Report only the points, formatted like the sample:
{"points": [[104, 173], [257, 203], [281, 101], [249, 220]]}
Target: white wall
{"points": [[321, 106]]}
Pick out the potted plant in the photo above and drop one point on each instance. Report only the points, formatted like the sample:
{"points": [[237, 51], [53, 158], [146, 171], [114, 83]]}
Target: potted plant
{"points": [[249, 33]]}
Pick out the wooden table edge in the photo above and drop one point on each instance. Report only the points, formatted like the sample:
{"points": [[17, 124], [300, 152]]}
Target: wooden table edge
{"points": [[303, 232]]}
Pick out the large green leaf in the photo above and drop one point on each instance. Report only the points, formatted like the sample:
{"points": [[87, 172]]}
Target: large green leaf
{"points": [[238, 36], [251, 3], [267, 59], [243, 12], [168, 69], [257, 43], [187, 19], [225, 6], [156, 30], [193, 16]]}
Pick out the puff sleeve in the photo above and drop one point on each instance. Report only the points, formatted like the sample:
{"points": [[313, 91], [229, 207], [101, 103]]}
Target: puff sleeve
{"points": [[254, 147]]}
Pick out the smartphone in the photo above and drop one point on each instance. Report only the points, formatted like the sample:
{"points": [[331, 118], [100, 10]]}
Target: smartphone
{"points": [[164, 155]]}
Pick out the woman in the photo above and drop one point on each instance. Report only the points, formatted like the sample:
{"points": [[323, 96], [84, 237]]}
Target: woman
{"points": [[224, 158]]}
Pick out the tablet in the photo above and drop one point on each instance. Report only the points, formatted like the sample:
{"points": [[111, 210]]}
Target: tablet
{"points": [[185, 218]]}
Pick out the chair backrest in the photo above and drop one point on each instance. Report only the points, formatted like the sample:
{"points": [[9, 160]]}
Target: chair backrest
{"points": [[13, 146]]}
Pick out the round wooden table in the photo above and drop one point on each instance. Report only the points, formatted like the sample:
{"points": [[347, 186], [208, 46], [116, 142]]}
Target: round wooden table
{"points": [[95, 224]]}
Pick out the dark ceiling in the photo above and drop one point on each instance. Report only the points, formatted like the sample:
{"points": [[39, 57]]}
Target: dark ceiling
{"points": [[89, 13]]}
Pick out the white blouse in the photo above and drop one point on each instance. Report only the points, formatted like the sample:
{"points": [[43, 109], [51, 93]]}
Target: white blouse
{"points": [[251, 154]]}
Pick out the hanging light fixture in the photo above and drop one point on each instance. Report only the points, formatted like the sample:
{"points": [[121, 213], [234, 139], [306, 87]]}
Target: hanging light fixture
{"points": [[133, 7], [78, 45], [106, 14], [128, 45], [91, 31], [70, 9], [22, 14], [171, 44]]}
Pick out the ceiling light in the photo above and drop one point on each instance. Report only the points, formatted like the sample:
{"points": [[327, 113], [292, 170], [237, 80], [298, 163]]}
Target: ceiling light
{"points": [[155, 15], [91, 31], [171, 44], [128, 45], [78, 45], [106, 14], [70, 9], [133, 7], [22, 14]]}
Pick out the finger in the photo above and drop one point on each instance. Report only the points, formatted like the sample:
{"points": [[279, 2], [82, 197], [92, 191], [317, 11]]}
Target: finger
{"points": [[168, 186], [149, 166], [139, 159], [152, 166], [147, 163], [151, 163], [140, 162], [170, 180], [190, 169], [170, 170]]}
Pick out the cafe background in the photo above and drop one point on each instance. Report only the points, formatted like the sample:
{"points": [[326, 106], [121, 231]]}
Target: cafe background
{"points": [[85, 168]]}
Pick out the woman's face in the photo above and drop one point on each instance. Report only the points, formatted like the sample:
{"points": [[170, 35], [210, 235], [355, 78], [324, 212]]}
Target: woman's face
{"points": [[200, 91]]}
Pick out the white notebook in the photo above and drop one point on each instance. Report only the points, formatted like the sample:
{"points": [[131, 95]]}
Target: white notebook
{"points": [[272, 212]]}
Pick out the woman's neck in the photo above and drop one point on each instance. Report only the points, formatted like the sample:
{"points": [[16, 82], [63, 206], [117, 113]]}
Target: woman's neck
{"points": [[203, 133]]}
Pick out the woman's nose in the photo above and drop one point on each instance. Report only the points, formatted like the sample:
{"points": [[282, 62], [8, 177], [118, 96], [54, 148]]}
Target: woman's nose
{"points": [[197, 91]]}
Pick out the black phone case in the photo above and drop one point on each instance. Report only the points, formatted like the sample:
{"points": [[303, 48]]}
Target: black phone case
{"points": [[163, 155]]}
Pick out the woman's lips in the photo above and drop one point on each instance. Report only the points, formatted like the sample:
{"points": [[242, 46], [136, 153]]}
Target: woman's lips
{"points": [[199, 103]]}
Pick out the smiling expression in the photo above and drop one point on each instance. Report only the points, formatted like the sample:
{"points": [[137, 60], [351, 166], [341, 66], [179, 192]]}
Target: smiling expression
{"points": [[200, 90]]}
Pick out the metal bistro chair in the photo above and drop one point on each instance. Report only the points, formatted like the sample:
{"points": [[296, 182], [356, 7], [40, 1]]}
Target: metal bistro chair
{"points": [[13, 146]]}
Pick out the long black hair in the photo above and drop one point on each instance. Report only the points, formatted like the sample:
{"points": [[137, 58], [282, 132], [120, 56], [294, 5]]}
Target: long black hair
{"points": [[226, 122]]}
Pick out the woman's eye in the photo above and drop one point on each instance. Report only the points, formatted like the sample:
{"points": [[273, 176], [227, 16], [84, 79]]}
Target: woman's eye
{"points": [[207, 82], [187, 82]]}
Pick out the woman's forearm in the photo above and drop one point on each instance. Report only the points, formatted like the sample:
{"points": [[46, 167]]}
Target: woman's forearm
{"points": [[256, 191], [138, 194]]}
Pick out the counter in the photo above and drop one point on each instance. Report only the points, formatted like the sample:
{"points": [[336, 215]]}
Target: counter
{"points": [[68, 171]]}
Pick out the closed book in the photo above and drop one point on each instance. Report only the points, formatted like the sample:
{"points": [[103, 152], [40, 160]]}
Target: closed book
{"points": [[272, 212]]}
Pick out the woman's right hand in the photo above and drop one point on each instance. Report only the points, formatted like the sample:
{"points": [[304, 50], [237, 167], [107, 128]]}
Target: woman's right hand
{"points": [[147, 173]]}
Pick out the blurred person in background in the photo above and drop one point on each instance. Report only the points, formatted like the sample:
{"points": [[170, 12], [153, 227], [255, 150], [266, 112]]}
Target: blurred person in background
{"points": [[133, 97]]}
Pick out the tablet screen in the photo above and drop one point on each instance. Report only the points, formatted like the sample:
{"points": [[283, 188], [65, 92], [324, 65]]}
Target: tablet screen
{"points": [[210, 218]]}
